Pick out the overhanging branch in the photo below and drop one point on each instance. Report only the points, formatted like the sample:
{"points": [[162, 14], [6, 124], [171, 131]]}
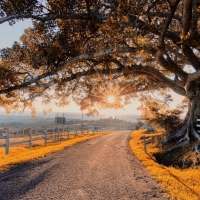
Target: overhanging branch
{"points": [[43, 18], [187, 16]]}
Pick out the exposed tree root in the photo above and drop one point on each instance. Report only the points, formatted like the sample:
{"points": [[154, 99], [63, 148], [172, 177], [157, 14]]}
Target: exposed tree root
{"points": [[178, 134], [184, 135], [182, 142], [194, 132], [196, 147]]}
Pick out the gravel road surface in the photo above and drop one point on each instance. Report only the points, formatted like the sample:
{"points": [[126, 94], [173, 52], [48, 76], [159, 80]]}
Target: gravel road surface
{"points": [[103, 168]]}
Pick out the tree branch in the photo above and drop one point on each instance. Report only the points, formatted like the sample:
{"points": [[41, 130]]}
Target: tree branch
{"points": [[191, 56], [195, 17], [187, 16], [162, 14], [35, 96], [71, 61], [44, 18], [167, 23], [134, 69], [174, 36], [88, 7], [191, 79], [171, 66]]}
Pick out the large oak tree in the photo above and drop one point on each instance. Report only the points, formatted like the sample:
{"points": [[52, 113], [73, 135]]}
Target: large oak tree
{"points": [[90, 49]]}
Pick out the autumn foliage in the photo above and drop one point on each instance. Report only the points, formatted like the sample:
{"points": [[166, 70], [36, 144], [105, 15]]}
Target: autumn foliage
{"points": [[160, 115]]}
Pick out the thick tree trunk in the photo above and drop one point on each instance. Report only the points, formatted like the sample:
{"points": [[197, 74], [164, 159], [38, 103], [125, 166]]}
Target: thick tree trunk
{"points": [[188, 131]]}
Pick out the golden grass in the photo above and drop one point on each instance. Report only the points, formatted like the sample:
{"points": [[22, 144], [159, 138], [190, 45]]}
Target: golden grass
{"points": [[21, 154], [178, 183]]}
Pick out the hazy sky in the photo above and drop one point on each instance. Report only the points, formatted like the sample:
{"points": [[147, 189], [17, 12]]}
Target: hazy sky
{"points": [[9, 34]]}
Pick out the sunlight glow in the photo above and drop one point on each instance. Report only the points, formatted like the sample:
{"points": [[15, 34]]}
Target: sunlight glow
{"points": [[109, 91], [111, 99]]}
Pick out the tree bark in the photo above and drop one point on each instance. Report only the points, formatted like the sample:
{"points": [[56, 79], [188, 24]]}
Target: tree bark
{"points": [[188, 130]]}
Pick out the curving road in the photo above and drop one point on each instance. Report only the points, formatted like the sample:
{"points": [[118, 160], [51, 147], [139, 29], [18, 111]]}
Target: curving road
{"points": [[103, 168]]}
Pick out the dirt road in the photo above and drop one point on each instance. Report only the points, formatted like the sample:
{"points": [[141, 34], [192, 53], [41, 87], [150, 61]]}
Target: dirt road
{"points": [[103, 168]]}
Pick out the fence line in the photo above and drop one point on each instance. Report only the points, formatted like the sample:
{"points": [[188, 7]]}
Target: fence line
{"points": [[55, 134]]}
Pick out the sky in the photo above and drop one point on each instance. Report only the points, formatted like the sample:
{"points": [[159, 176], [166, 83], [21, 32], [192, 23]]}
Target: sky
{"points": [[9, 34]]}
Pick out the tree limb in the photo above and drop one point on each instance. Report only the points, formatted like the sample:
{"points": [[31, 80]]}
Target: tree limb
{"points": [[192, 78], [50, 17], [166, 25], [162, 14], [187, 16], [191, 56], [171, 66], [69, 62]]}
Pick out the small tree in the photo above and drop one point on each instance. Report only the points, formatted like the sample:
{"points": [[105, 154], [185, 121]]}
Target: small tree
{"points": [[139, 124], [158, 113]]}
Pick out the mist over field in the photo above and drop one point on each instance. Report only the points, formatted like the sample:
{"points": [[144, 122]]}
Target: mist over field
{"points": [[25, 120], [27, 115]]}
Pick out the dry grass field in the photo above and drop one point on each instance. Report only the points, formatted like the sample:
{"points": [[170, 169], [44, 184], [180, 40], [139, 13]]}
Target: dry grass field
{"points": [[21, 154], [180, 184]]}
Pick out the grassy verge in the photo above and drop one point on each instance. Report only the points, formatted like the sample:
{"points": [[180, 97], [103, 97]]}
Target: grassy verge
{"points": [[178, 183], [21, 154]]}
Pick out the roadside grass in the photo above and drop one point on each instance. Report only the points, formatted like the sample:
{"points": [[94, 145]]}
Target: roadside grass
{"points": [[22, 154], [180, 184]]}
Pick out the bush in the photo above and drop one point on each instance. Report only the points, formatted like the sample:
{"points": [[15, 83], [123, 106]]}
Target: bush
{"points": [[157, 112]]}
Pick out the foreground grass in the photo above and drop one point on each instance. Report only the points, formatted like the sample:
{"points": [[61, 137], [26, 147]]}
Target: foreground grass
{"points": [[21, 154], [179, 184]]}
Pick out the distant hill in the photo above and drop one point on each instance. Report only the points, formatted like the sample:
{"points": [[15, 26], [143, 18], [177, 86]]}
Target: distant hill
{"points": [[25, 122], [27, 115]]}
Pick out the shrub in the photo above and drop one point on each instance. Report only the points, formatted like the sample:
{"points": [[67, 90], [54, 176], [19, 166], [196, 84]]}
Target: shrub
{"points": [[158, 113]]}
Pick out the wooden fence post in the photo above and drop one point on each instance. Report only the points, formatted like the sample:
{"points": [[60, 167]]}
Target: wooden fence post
{"points": [[75, 132], [56, 132], [30, 137], [68, 131], [7, 141], [45, 136], [145, 144], [60, 136]]}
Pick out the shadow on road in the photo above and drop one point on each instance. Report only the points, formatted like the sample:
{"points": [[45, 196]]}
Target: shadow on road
{"points": [[11, 188]]}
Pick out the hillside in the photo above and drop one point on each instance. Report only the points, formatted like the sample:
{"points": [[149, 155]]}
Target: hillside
{"points": [[27, 121]]}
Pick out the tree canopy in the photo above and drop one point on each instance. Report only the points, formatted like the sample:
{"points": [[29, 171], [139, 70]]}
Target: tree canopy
{"points": [[88, 50]]}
